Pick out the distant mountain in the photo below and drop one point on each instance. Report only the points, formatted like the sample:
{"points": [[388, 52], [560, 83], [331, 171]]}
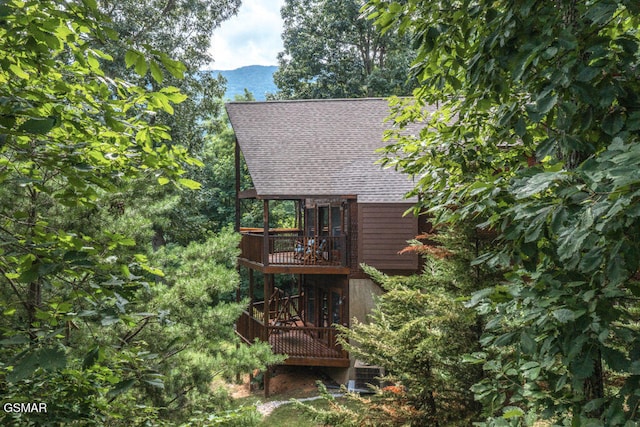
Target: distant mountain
{"points": [[257, 79]]}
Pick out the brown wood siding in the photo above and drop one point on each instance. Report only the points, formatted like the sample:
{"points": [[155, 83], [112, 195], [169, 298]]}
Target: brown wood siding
{"points": [[353, 238], [382, 232]]}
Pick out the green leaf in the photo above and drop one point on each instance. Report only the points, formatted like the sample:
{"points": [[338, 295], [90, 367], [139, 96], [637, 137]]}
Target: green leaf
{"points": [[583, 368], [15, 340], [91, 358], [141, 66], [155, 382], [537, 184], [613, 123], [504, 339], [91, 4], [587, 74], [18, 71], [49, 359], [189, 183], [176, 68], [527, 343], [38, 126], [617, 360], [173, 94], [512, 412], [546, 103], [156, 72], [564, 315], [121, 387], [131, 58]]}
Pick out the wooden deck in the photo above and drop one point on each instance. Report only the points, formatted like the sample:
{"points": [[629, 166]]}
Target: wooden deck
{"points": [[304, 345], [291, 253]]}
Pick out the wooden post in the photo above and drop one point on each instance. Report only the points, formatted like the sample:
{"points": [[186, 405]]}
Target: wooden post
{"points": [[251, 299], [267, 302], [238, 177], [266, 378], [237, 219], [265, 233]]}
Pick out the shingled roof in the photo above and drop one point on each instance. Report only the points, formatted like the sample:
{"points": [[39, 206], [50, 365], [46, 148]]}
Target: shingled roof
{"points": [[317, 148]]}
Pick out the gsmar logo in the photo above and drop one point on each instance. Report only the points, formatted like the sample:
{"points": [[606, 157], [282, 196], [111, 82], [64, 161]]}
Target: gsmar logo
{"points": [[25, 407]]}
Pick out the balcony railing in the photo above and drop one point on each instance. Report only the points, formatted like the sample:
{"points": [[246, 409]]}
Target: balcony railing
{"points": [[289, 248], [297, 342]]}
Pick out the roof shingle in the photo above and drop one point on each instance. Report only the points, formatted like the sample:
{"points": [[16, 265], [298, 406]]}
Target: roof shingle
{"points": [[317, 147]]}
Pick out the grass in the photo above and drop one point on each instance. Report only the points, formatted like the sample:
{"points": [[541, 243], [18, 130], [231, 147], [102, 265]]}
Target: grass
{"points": [[290, 383], [289, 414], [292, 415]]}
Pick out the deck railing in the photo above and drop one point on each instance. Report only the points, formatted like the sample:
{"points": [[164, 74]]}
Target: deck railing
{"points": [[282, 308], [250, 328], [251, 247], [294, 341], [305, 342], [292, 249]]}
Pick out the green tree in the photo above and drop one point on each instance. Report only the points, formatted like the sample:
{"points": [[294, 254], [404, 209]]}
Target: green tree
{"points": [[65, 138], [330, 51], [420, 331], [194, 339], [74, 141], [179, 30], [426, 331], [537, 133]]}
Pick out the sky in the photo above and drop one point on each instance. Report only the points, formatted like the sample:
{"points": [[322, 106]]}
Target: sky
{"points": [[252, 37]]}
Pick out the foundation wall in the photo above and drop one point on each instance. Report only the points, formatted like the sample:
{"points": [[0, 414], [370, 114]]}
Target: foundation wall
{"points": [[361, 302]]}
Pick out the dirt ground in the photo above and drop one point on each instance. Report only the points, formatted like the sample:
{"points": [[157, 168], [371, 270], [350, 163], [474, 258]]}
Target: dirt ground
{"points": [[286, 382]]}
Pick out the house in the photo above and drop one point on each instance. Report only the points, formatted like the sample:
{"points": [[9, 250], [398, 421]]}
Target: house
{"points": [[317, 156]]}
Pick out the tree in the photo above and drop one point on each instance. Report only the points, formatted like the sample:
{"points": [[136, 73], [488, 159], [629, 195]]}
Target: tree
{"points": [[73, 141], [330, 51], [195, 340], [537, 133], [426, 331], [179, 30], [420, 331]]}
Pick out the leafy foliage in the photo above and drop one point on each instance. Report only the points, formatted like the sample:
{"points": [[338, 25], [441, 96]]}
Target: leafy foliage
{"points": [[536, 133], [79, 294], [173, 37], [330, 51], [420, 331], [194, 338]]}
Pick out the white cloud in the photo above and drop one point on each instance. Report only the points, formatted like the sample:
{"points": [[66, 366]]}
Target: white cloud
{"points": [[253, 37]]}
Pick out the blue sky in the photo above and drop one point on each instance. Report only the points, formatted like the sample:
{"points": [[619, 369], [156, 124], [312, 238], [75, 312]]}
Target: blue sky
{"points": [[252, 37]]}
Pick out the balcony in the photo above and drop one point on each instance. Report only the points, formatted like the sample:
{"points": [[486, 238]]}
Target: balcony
{"points": [[287, 251], [304, 345]]}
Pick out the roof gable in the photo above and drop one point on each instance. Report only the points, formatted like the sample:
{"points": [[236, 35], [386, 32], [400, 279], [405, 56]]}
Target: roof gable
{"points": [[317, 147]]}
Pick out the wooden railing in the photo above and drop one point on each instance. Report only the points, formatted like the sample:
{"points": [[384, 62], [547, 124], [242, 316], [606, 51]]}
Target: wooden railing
{"points": [[305, 342], [292, 249], [294, 341], [250, 328], [252, 247], [282, 308]]}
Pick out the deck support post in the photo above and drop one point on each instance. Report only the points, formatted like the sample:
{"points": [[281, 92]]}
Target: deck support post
{"points": [[268, 278], [267, 379], [251, 300]]}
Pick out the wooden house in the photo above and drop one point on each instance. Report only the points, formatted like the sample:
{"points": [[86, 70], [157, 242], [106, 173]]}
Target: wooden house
{"points": [[319, 155]]}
